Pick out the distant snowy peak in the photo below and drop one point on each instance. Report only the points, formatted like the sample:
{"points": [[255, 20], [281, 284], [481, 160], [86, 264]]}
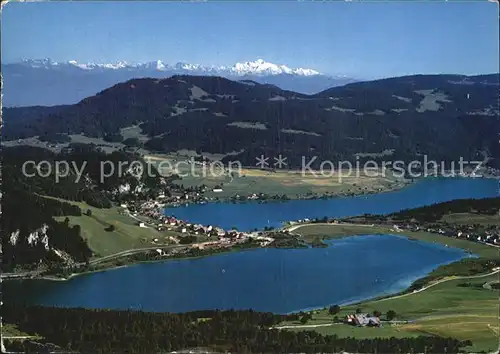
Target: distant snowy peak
{"points": [[26, 81], [90, 66], [156, 65], [39, 63], [49, 64], [261, 67], [189, 67], [258, 67], [160, 65]]}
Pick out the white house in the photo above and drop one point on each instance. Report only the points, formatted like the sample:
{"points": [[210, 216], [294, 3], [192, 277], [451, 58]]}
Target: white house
{"points": [[141, 224]]}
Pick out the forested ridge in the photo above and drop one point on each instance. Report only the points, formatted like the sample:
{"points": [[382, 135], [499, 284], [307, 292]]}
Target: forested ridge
{"points": [[434, 212], [107, 331], [97, 184], [405, 117], [30, 234]]}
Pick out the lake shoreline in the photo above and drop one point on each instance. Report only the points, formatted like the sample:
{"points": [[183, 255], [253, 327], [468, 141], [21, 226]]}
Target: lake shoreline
{"points": [[378, 229], [228, 251], [268, 199], [334, 207], [342, 227], [377, 293], [398, 184]]}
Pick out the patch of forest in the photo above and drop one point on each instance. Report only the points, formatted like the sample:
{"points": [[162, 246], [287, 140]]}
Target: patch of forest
{"points": [[109, 331]]}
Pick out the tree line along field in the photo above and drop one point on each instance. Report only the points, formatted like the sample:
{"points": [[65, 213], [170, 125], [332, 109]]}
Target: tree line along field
{"points": [[247, 331], [446, 309], [470, 218]]}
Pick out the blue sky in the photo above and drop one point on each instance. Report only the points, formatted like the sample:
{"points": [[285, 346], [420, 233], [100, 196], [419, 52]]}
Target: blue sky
{"points": [[357, 39]]}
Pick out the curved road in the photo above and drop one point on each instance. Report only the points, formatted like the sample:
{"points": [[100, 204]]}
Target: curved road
{"points": [[495, 271], [131, 252], [95, 261], [295, 227]]}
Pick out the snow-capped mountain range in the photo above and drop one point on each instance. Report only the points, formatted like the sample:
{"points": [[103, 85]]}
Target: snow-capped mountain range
{"points": [[47, 82], [257, 67]]}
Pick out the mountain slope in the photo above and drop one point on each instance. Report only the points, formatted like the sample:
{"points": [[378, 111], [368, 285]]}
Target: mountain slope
{"points": [[443, 116], [45, 82], [31, 235]]}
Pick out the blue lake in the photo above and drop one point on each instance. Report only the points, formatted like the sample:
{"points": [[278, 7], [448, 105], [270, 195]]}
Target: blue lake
{"points": [[277, 280], [247, 216]]}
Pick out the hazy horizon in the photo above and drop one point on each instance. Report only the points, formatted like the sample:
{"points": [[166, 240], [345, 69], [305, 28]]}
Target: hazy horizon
{"points": [[368, 40]]}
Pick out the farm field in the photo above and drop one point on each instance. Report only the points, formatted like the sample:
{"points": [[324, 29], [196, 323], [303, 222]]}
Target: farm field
{"points": [[127, 234], [445, 309], [469, 218], [292, 183]]}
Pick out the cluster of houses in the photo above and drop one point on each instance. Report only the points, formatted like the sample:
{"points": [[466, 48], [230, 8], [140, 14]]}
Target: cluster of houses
{"points": [[196, 196], [489, 236], [362, 320], [302, 221], [154, 211], [183, 197]]}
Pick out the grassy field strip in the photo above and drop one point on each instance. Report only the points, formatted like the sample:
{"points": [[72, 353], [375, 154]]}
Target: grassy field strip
{"points": [[127, 235], [130, 252], [440, 317], [409, 294], [444, 309], [293, 183], [324, 231], [469, 218], [448, 310], [438, 282]]}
